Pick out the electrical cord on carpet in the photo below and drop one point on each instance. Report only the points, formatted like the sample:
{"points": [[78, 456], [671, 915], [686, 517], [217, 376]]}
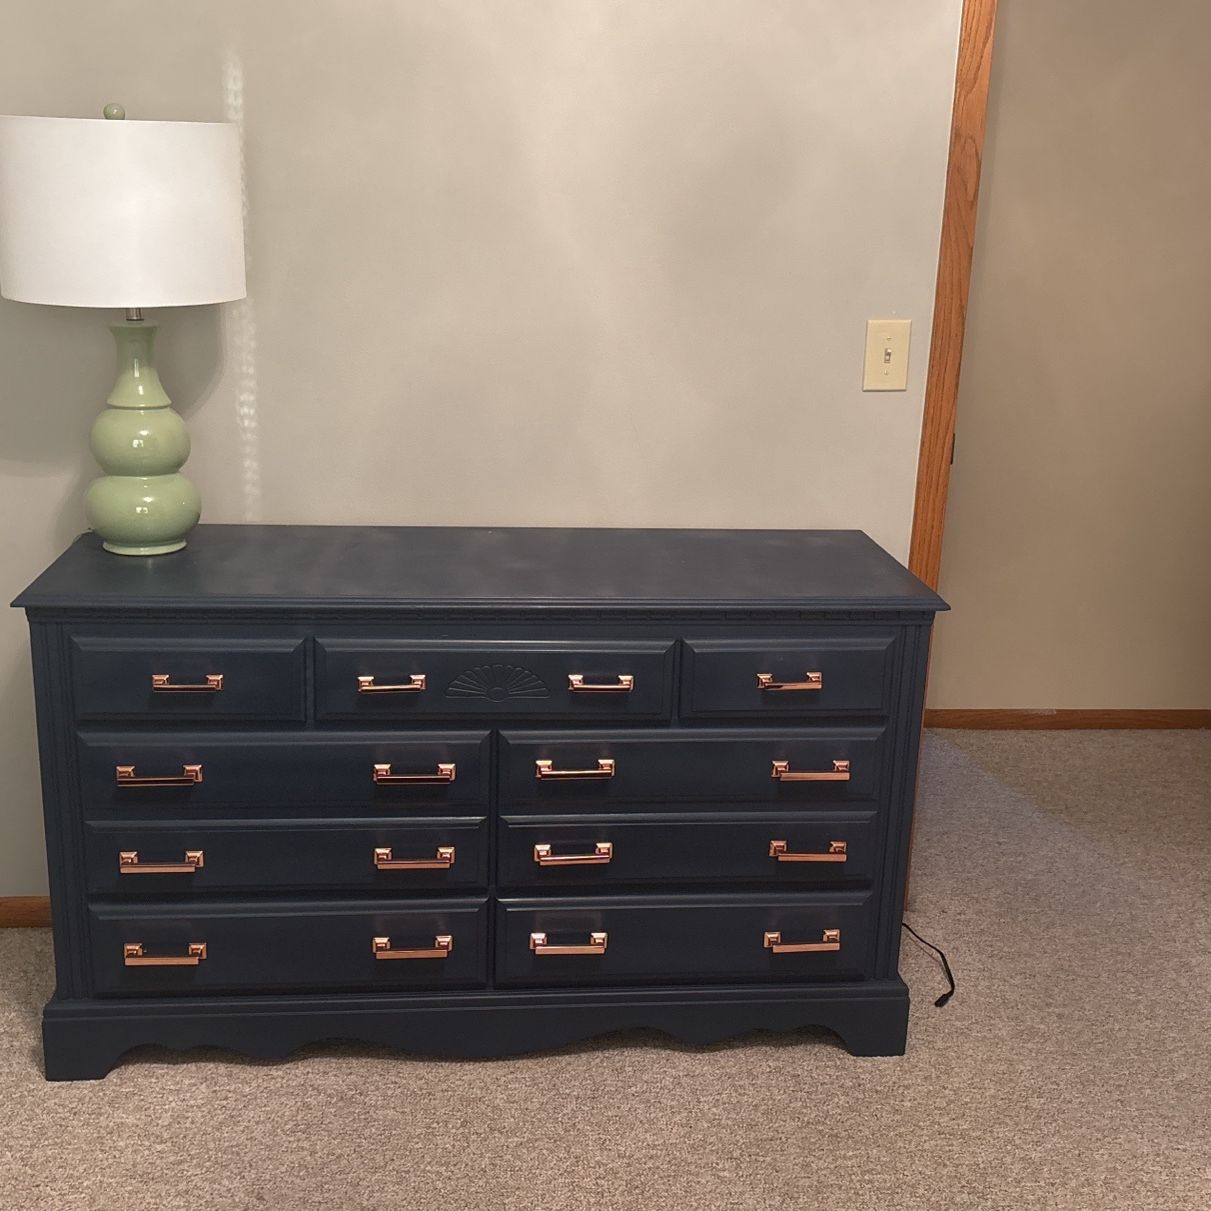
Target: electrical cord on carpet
{"points": [[945, 965]]}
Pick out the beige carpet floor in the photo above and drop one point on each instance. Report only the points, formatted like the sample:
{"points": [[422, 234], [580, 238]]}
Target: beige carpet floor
{"points": [[1067, 875]]}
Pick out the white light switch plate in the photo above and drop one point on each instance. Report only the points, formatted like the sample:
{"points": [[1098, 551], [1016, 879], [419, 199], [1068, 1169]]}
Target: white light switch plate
{"points": [[886, 367]]}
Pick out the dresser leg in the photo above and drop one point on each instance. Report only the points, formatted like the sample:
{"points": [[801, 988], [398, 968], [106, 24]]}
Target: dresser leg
{"points": [[76, 1052], [887, 1035], [876, 1025]]}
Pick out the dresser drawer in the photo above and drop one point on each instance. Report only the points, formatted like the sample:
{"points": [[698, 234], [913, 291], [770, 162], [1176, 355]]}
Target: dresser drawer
{"points": [[770, 677], [780, 850], [177, 777], [593, 771], [133, 677], [147, 859], [677, 939], [286, 945], [383, 679]]}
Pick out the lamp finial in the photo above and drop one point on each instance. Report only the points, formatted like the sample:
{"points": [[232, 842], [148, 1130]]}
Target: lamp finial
{"points": [[114, 111]]}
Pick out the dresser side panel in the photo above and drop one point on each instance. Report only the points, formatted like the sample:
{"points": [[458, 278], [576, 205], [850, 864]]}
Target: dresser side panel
{"points": [[64, 845], [906, 747]]}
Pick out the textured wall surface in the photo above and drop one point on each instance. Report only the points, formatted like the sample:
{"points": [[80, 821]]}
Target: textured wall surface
{"points": [[575, 262], [1076, 555]]}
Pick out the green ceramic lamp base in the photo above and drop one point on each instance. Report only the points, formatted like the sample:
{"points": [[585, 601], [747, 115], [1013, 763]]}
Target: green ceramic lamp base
{"points": [[166, 548], [142, 505]]}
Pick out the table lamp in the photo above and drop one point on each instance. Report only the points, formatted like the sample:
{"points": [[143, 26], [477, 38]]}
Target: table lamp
{"points": [[110, 213]]}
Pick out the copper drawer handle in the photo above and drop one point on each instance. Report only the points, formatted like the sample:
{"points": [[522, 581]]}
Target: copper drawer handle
{"points": [[605, 769], [443, 943], [190, 775], [811, 681], [162, 683], [782, 772], [603, 852], [836, 852], [447, 771], [133, 956], [596, 945], [129, 864], [383, 860], [416, 683], [830, 939], [578, 685]]}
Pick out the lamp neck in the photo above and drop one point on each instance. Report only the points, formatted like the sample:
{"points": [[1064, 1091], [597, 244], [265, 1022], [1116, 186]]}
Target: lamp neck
{"points": [[138, 385], [134, 315]]}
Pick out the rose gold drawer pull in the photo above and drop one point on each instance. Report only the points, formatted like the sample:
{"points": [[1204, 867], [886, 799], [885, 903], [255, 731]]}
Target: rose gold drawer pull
{"points": [[811, 681], [443, 943], [129, 864], [782, 772], [162, 684], [603, 852], [189, 776], [416, 683], [596, 945], [624, 685], [133, 956], [605, 769], [383, 860], [447, 771], [830, 939], [836, 852]]}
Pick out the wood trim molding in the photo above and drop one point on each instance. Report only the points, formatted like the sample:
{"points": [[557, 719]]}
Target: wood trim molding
{"points": [[1043, 720], [24, 912], [953, 284]]}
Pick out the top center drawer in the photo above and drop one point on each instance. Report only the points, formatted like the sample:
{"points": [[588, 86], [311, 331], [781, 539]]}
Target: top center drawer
{"points": [[437, 679]]}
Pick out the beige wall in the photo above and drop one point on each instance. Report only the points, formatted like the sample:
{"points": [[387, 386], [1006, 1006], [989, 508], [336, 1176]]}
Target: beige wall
{"points": [[1076, 553], [511, 261]]}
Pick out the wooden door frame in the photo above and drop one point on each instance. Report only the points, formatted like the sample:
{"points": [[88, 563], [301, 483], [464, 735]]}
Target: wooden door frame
{"points": [[964, 162], [953, 285]]}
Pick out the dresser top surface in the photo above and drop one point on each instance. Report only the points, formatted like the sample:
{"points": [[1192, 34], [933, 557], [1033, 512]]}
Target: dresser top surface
{"points": [[240, 567]]}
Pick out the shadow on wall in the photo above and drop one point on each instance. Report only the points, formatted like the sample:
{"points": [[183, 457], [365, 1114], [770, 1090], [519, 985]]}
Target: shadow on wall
{"points": [[190, 354], [22, 824]]}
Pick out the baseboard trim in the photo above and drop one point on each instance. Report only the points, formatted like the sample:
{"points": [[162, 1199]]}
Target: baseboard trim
{"points": [[24, 912], [1045, 720]]}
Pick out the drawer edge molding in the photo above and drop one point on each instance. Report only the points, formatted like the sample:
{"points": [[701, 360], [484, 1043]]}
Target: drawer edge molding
{"points": [[170, 675], [837, 671], [480, 678]]}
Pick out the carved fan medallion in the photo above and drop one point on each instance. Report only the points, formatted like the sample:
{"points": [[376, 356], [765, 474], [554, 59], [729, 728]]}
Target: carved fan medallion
{"points": [[497, 682]]}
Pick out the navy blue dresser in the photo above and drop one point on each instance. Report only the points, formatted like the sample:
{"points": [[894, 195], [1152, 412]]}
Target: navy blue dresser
{"points": [[472, 792]]}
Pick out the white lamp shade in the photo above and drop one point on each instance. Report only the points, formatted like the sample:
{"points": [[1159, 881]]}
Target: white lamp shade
{"points": [[97, 213]]}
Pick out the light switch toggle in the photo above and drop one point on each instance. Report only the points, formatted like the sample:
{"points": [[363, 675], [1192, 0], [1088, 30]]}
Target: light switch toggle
{"points": [[886, 367]]}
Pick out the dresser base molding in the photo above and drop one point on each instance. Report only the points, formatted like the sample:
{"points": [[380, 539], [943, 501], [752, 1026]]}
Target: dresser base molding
{"points": [[84, 1040]]}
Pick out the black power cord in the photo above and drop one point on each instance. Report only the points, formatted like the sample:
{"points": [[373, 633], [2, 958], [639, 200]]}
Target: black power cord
{"points": [[945, 965]]}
